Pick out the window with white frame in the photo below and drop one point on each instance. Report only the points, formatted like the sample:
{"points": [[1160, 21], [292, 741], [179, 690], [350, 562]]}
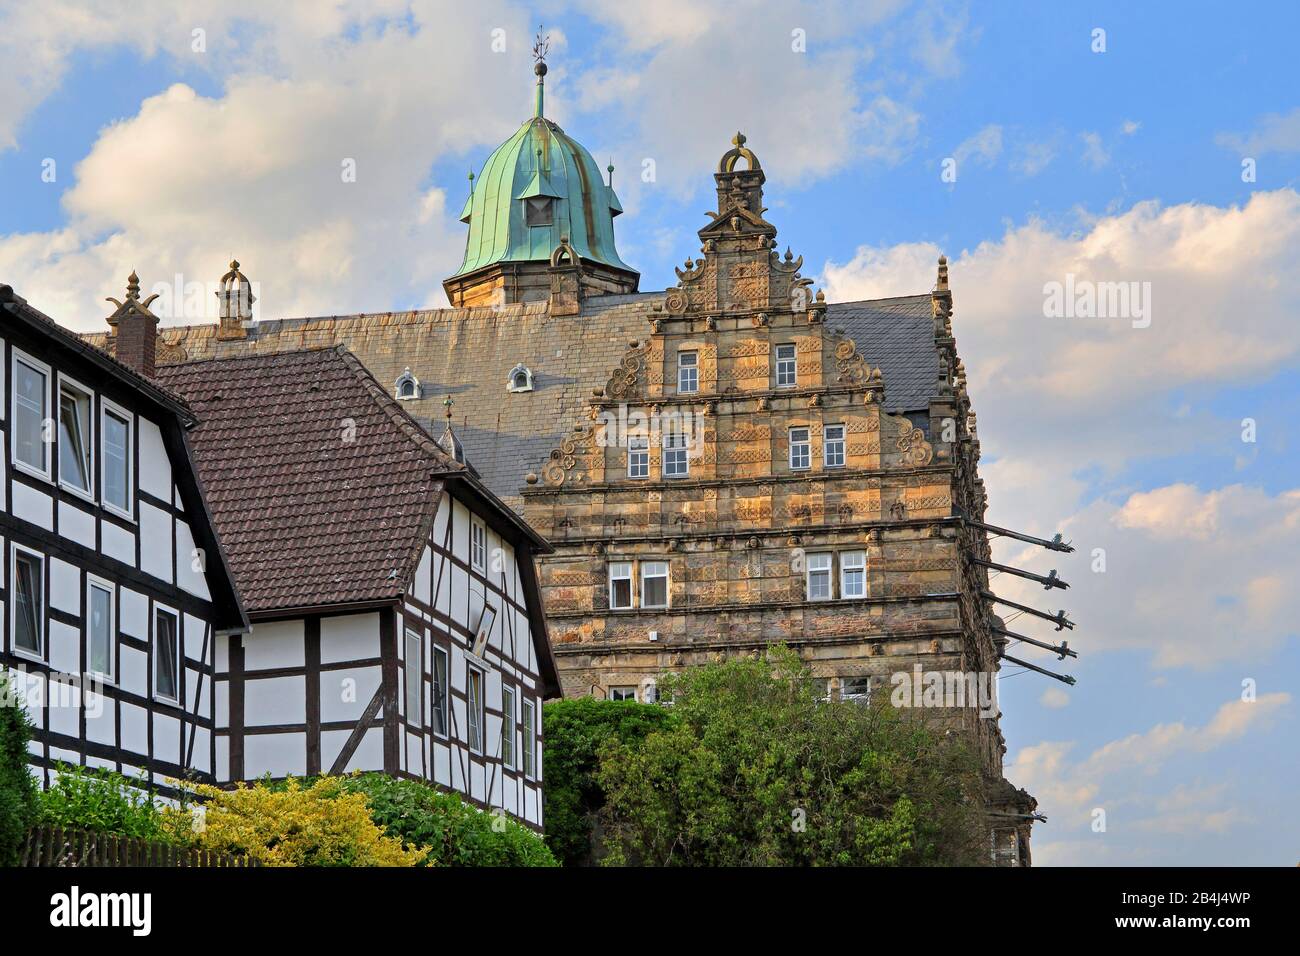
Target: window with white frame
{"points": [[638, 456], [819, 577], [407, 386], [622, 693], [474, 693], [508, 728], [654, 583], [528, 725], [75, 437], [100, 629], [855, 689], [115, 459], [414, 674], [833, 446], [688, 372], [675, 463], [620, 585], [438, 691], [786, 367], [800, 449], [853, 574], [31, 404], [166, 655], [477, 545], [27, 604]]}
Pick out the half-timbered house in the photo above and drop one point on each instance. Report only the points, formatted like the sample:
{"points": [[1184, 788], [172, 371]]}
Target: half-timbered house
{"points": [[397, 620], [115, 589]]}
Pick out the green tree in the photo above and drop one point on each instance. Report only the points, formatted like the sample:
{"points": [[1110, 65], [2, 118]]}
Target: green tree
{"points": [[18, 805], [454, 832], [574, 731], [755, 771], [101, 800]]}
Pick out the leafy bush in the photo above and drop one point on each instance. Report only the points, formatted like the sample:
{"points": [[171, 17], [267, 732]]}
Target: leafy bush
{"points": [[574, 731], [754, 770], [292, 825], [100, 800], [453, 832], [18, 792]]}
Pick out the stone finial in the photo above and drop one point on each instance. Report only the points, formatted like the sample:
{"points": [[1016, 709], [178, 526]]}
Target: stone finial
{"points": [[941, 284], [134, 329], [236, 300]]}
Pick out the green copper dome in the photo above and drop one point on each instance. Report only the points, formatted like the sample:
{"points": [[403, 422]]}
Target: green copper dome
{"points": [[536, 189]]}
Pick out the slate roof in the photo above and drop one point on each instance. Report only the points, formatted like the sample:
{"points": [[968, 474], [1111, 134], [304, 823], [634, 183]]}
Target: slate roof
{"points": [[468, 354], [322, 489]]}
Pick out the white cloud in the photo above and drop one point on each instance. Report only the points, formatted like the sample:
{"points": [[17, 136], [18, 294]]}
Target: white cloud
{"points": [[1130, 127], [1069, 407], [1275, 133], [984, 147], [1034, 158], [1116, 778], [1094, 151], [1054, 698]]}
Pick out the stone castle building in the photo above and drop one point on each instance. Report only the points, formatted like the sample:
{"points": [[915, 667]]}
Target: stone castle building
{"points": [[720, 466]]}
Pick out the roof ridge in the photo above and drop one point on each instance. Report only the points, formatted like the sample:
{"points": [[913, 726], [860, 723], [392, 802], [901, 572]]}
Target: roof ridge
{"points": [[396, 413]]}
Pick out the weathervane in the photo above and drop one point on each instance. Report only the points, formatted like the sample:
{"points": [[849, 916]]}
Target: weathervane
{"points": [[542, 46]]}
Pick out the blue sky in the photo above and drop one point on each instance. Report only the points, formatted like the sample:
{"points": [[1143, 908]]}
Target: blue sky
{"points": [[1122, 165]]}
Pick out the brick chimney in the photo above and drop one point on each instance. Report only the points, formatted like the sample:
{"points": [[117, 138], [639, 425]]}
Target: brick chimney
{"points": [[134, 330]]}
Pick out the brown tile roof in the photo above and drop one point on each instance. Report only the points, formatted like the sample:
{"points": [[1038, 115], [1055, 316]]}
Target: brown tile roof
{"points": [[468, 353], [322, 488]]}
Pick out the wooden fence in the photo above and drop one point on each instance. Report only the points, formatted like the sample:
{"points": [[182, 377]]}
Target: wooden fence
{"points": [[64, 846]]}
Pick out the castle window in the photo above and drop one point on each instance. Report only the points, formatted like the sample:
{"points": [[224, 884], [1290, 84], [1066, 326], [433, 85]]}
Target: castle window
{"points": [[786, 368], [833, 446], [800, 449], [620, 585], [654, 584], [521, 379], [675, 463], [638, 457], [855, 689], [819, 577], [407, 386], [688, 372], [853, 574], [74, 437], [539, 211], [622, 693]]}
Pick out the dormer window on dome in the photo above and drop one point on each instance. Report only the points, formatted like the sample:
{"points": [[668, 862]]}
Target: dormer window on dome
{"points": [[521, 379], [407, 386], [539, 211]]}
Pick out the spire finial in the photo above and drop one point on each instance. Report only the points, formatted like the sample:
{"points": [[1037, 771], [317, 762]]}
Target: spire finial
{"points": [[447, 403], [610, 170], [133, 286], [541, 46], [941, 285], [739, 139]]}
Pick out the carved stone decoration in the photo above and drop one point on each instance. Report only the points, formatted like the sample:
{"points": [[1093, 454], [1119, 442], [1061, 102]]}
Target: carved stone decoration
{"points": [[561, 464], [675, 301], [851, 367], [916, 450], [626, 381]]}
